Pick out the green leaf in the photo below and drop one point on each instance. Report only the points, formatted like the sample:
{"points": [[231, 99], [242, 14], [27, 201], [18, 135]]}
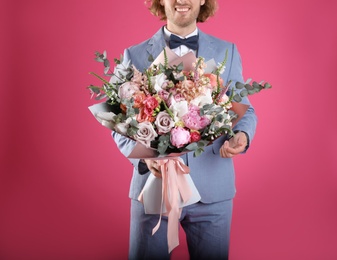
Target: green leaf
{"points": [[267, 85], [202, 143], [198, 152], [192, 146], [244, 93], [239, 85], [251, 92], [132, 131], [248, 87], [219, 118], [94, 89], [151, 59], [164, 142], [237, 98]]}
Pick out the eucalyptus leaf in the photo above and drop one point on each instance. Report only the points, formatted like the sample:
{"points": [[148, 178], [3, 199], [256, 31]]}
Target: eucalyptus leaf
{"points": [[267, 85], [244, 93], [192, 146], [237, 98], [95, 89], [132, 131], [239, 85], [180, 67], [252, 91], [202, 143], [106, 63], [219, 117], [106, 70], [248, 87], [255, 84], [198, 152]]}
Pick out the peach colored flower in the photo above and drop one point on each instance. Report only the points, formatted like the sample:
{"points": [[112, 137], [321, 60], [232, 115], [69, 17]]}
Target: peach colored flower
{"points": [[213, 80]]}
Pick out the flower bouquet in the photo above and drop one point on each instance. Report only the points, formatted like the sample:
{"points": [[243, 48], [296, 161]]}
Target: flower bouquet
{"points": [[177, 105], [171, 108]]}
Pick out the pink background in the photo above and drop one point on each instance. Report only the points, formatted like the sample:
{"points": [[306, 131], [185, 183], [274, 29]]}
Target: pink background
{"points": [[64, 184]]}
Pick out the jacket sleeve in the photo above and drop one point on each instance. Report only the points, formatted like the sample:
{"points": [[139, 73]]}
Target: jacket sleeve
{"points": [[248, 122]]}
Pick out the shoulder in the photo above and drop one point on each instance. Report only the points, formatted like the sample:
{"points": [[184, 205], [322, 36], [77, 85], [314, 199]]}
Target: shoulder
{"points": [[215, 40], [140, 53]]}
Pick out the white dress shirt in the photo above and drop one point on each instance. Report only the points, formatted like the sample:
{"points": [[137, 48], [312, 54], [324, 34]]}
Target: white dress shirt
{"points": [[182, 49]]}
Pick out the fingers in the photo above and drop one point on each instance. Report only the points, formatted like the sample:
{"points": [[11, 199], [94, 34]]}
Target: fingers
{"points": [[154, 167], [226, 151], [233, 147]]}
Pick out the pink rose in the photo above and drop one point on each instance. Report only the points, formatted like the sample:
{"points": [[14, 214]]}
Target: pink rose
{"points": [[127, 89], [145, 133], [179, 137], [164, 122], [193, 120]]}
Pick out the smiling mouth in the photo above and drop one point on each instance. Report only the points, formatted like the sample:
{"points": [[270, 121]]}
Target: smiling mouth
{"points": [[182, 9]]}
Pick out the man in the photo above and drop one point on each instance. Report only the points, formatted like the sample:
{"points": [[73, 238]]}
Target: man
{"points": [[206, 223]]}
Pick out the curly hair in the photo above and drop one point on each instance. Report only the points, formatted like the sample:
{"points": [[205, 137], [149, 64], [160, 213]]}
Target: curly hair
{"points": [[207, 10]]}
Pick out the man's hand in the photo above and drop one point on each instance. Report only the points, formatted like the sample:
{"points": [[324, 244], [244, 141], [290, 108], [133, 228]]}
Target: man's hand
{"points": [[234, 146], [154, 167]]}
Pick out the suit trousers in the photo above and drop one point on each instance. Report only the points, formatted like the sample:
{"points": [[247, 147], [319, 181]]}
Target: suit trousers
{"points": [[207, 229]]}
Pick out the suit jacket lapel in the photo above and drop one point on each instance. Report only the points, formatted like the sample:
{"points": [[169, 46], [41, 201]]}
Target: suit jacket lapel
{"points": [[205, 49], [156, 44]]}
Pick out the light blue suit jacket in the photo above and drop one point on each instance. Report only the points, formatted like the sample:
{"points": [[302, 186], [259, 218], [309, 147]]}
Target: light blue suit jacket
{"points": [[212, 175]]}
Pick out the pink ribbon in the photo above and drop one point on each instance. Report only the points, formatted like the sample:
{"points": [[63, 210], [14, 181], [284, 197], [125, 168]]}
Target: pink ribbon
{"points": [[173, 185]]}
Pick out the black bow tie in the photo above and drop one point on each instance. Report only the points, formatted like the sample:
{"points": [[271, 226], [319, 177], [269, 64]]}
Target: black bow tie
{"points": [[190, 42]]}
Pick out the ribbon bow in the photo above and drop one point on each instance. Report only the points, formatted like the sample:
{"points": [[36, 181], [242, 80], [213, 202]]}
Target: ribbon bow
{"points": [[190, 42]]}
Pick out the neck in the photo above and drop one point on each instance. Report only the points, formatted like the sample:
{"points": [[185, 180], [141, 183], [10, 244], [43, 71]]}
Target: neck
{"points": [[181, 31]]}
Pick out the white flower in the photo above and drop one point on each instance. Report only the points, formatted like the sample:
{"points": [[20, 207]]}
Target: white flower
{"points": [[122, 128], [202, 100], [179, 109], [158, 81]]}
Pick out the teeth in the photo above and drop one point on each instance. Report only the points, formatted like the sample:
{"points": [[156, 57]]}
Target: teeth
{"points": [[181, 9]]}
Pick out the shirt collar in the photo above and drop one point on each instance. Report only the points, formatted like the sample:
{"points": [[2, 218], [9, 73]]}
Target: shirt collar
{"points": [[167, 34]]}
